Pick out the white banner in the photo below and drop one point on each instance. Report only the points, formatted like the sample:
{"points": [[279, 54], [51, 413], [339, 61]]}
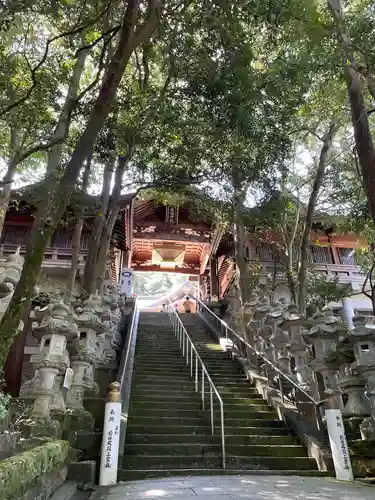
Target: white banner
{"points": [[68, 378], [110, 444], [126, 282], [339, 445]]}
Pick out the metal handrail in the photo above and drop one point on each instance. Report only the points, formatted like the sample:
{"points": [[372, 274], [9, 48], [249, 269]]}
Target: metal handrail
{"points": [[187, 345], [317, 405], [129, 343]]}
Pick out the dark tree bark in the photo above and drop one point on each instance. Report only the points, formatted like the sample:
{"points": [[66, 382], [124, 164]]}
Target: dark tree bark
{"points": [[76, 241], [95, 241], [56, 199], [113, 209]]}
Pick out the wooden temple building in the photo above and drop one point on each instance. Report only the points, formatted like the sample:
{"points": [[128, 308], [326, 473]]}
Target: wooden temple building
{"points": [[149, 236]]}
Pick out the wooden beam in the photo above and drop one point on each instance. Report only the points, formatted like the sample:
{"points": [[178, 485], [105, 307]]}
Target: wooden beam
{"points": [[175, 237], [214, 279], [204, 258], [210, 249], [158, 269]]}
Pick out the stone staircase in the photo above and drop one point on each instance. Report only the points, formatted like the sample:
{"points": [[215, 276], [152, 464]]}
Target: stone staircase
{"points": [[169, 434]]}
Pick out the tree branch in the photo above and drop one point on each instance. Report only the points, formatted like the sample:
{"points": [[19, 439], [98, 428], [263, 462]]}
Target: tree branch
{"points": [[111, 32], [44, 58], [39, 147]]}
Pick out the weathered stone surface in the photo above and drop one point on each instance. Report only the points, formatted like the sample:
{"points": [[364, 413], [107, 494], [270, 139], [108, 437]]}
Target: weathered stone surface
{"points": [[246, 487], [36, 472], [83, 472], [8, 441]]}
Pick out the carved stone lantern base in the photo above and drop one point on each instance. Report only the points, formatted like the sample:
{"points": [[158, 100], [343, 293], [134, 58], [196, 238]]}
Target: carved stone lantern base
{"points": [[367, 428], [357, 404], [79, 420], [41, 428]]}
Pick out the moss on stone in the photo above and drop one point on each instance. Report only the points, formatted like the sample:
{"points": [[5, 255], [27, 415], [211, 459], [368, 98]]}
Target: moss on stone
{"points": [[22, 472]]}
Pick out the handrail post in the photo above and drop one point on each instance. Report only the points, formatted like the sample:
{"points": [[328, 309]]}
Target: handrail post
{"points": [[212, 412], [196, 374], [222, 435], [202, 389]]}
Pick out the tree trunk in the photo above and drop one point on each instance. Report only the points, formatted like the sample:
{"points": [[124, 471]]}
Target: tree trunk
{"points": [[49, 214], [324, 152], [95, 241], [239, 248], [289, 271], [76, 241], [362, 134], [113, 209], [6, 190]]}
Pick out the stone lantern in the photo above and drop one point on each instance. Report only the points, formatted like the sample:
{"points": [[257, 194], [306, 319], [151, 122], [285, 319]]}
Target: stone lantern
{"points": [[82, 355], [362, 337], [56, 327], [252, 326], [111, 318], [261, 310], [294, 323], [323, 337], [273, 320]]}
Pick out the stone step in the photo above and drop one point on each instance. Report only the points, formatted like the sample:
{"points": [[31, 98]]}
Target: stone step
{"points": [[143, 403], [201, 462], [132, 438], [138, 427], [180, 361], [142, 386], [177, 411], [138, 474], [204, 449], [180, 380], [202, 420], [144, 354], [166, 421], [167, 397]]}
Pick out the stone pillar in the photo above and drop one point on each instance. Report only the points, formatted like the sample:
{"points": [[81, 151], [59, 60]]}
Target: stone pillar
{"points": [[294, 322], [56, 327], [362, 337], [323, 335], [273, 320], [214, 279], [348, 311], [82, 355]]}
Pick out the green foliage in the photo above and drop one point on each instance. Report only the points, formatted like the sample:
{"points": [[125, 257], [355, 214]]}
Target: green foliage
{"points": [[156, 284], [4, 406], [321, 290]]}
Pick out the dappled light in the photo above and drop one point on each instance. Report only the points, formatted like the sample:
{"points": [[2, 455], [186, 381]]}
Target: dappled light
{"points": [[251, 487]]}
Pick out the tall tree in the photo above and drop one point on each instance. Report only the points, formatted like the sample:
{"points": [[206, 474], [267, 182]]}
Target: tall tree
{"points": [[353, 68]]}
